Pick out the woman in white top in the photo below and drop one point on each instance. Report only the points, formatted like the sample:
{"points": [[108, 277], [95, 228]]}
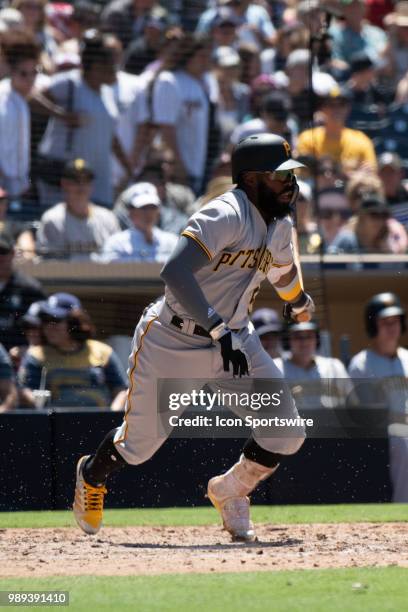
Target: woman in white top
{"points": [[21, 53]]}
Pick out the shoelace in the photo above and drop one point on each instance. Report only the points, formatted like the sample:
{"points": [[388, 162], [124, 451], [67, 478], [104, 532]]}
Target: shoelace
{"points": [[94, 497]]}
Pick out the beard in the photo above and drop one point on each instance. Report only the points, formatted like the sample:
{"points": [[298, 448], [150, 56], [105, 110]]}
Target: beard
{"points": [[270, 203]]}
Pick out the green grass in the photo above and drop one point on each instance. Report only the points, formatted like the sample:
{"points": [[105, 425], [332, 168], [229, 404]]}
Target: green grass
{"points": [[207, 515], [381, 589]]}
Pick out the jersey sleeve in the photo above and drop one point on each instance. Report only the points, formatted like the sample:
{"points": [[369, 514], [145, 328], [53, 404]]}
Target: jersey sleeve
{"points": [[214, 227]]}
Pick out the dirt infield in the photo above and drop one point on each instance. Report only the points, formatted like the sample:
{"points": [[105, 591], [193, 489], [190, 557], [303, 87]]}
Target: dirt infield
{"points": [[164, 550]]}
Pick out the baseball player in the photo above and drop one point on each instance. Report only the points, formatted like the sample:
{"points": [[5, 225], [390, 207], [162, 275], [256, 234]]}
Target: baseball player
{"points": [[200, 329], [387, 361]]}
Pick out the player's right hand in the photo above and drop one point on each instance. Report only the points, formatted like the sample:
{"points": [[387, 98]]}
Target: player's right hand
{"points": [[232, 351]]}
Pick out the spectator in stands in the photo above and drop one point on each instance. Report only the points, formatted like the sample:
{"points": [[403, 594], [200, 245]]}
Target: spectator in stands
{"points": [[360, 184], [233, 96], [125, 92], [30, 324], [392, 175], [144, 241], [352, 33], [127, 18], [181, 108], [17, 292], [328, 174], [8, 391], [269, 328], [385, 362], [21, 52], [144, 49], [86, 127], [224, 28], [396, 52], [316, 381], [172, 196], [250, 63], [351, 148], [362, 84], [274, 118], [34, 19], [289, 37], [296, 82], [255, 28], [370, 231], [75, 228], [333, 212], [79, 371]]}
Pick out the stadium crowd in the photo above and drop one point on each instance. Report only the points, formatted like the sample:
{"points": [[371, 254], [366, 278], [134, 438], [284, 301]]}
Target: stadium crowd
{"points": [[95, 100]]}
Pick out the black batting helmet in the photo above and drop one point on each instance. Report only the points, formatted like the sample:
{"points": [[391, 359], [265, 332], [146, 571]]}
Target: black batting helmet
{"points": [[262, 153], [380, 306]]}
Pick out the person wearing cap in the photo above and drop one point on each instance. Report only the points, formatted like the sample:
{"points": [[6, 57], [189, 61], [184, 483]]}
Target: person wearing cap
{"points": [[352, 149], [127, 18], [75, 228], [385, 363], [273, 118], [268, 326], [352, 33], [370, 231], [224, 28], [233, 96], [8, 390], [17, 292], [392, 175], [144, 241], [78, 370], [256, 26], [316, 381], [363, 87]]}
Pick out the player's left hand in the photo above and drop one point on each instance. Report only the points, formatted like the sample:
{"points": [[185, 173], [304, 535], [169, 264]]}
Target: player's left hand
{"points": [[302, 311], [232, 351]]}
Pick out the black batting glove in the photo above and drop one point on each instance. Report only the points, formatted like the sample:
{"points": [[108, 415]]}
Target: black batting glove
{"points": [[233, 355], [232, 349]]}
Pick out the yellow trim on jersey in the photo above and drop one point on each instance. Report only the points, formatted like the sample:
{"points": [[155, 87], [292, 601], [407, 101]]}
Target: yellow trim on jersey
{"points": [[279, 265], [131, 379], [291, 291], [198, 241]]}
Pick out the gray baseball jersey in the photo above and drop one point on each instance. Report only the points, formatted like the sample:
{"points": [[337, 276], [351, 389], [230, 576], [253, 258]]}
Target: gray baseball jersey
{"points": [[242, 251], [394, 375]]}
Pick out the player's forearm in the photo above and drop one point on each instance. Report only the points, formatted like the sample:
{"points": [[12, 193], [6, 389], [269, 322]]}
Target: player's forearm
{"points": [[178, 274], [288, 287]]}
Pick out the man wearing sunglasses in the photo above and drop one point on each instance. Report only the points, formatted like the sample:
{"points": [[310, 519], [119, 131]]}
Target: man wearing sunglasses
{"points": [[200, 329]]}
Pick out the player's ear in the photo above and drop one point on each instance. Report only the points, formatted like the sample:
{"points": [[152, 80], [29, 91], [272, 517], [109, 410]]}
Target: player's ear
{"points": [[250, 179]]}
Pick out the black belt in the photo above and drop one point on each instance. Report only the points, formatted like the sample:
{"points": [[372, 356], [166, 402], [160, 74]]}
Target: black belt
{"points": [[198, 330]]}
